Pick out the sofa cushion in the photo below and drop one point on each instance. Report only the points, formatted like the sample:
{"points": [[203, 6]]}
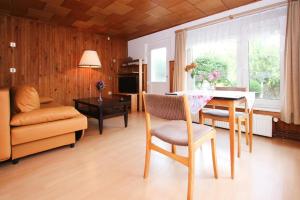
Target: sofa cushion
{"points": [[44, 115], [26, 99], [24, 134], [44, 100]]}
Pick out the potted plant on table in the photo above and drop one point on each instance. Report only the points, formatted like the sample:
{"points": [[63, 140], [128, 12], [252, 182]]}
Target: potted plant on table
{"points": [[100, 87], [208, 72]]}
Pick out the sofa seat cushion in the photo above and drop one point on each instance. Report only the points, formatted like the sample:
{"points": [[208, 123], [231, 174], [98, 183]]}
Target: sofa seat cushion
{"points": [[26, 99], [175, 132], [24, 134], [44, 115]]}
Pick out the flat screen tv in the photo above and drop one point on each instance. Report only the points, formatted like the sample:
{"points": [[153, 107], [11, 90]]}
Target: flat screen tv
{"points": [[128, 84]]}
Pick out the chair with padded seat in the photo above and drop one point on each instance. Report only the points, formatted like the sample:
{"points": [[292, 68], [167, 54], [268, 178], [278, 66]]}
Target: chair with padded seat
{"points": [[178, 130], [223, 115]]}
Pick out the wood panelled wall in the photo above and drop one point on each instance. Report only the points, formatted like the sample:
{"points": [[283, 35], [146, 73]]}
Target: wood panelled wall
{"points": [[46, 56], [284, 130]]}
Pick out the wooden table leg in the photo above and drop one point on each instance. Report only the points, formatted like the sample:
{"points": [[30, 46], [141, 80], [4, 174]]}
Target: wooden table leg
{"points": [[125, 115], [76, 105], [231, 136], [250, 129], [100, 120]]}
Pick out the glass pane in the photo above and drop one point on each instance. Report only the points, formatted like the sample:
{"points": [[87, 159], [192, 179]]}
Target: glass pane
{"points": [[264, 67], [216, 63], [159, 65]]}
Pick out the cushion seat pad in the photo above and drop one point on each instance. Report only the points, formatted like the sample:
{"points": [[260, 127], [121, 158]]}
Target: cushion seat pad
{"points": [[221, 113], [175, 132]]}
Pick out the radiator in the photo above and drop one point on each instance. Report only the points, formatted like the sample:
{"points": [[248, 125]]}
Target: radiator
{"points": [[262, 124]]}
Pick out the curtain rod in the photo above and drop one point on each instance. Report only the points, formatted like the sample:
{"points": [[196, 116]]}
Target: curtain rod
{"points": [[235, 16]]}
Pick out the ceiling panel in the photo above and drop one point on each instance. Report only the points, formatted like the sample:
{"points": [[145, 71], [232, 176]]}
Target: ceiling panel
{"points": [[125, 18]]}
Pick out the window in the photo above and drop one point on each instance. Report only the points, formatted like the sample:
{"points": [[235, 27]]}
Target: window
{"points": [[246, 52], [219, 58], [159, 65], [264, 67]]}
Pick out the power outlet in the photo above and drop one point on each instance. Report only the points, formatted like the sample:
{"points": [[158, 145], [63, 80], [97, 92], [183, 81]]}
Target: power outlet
{"points": [[12, 70], [12, 44]]}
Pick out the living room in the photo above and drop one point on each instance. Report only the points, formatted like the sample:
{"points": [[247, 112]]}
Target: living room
{"points": [[99, 99]]}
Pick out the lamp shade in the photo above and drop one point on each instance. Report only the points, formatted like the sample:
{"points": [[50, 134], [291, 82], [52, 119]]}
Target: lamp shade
{"points": [[90, 59]]}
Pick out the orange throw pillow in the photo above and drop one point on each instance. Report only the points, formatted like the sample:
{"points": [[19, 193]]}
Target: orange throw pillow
{"points": [[26, 99]]}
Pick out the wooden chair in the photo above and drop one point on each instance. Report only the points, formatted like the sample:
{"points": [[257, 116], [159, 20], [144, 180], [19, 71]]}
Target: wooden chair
{"points": [[178, 131], [223, 115]]}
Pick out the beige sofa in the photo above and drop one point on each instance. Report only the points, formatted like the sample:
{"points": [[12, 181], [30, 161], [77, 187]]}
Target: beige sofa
{"points": [[36, 126]]}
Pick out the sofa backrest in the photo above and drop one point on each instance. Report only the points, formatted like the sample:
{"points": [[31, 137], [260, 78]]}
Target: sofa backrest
{"points": [[5, 143]]}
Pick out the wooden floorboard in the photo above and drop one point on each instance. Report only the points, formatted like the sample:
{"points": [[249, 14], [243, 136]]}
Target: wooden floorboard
{"points": [[110, 166]]}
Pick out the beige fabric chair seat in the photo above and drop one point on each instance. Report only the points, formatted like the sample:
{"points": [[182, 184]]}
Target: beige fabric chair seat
{"points": [[175, 132], [221, 113]]}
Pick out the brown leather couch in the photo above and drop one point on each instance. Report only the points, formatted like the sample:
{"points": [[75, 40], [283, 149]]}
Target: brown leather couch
{"points": [[30, 124]]}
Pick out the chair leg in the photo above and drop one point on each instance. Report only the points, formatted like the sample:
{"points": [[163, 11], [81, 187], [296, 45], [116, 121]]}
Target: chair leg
{"points": [[191, 177], [147, 159], [250, 138], [173, 148], [247, 130], [214, 159], [239, 137], [213, 123]]}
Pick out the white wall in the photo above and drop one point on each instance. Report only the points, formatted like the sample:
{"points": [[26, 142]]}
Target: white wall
{"points": [[137, 48]]}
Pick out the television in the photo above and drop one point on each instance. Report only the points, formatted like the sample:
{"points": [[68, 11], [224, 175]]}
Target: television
{"points": [[128, 84]]}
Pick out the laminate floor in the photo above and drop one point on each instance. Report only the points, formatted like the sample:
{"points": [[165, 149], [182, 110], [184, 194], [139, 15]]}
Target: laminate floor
{"points": [[110, 167]]}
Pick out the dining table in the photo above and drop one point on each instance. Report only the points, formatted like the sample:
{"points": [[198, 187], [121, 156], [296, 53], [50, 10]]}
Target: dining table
{"points": [[198, 99]]}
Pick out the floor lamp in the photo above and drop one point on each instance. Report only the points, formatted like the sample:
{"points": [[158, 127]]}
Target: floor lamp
{"points": [[90, 59]]}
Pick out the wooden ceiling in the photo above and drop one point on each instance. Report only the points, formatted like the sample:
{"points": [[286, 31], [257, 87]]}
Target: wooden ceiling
{"points": [[124, 18]]}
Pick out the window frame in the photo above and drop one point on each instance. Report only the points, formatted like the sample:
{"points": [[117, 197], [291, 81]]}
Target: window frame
{"points": [[243, 72]]}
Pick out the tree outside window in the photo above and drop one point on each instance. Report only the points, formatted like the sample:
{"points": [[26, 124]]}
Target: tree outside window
{"points": [[264, 67]]}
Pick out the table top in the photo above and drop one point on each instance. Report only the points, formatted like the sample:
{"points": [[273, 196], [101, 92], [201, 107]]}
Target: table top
{"points": [[106, 101], [199, 98], [219, 94]]}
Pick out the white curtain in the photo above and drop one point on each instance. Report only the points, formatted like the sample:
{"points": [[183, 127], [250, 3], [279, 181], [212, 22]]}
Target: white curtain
{"points": [[249, 26], [230, 36], [290, 112]]}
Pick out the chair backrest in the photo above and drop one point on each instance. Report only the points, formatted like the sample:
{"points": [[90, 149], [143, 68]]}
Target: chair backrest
{"points": [[241, 89], [168, 107]]}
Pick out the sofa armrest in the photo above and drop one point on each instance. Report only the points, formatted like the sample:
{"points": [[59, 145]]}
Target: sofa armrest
{"points": [[5, 141], [44, 100], [44, 115]]}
